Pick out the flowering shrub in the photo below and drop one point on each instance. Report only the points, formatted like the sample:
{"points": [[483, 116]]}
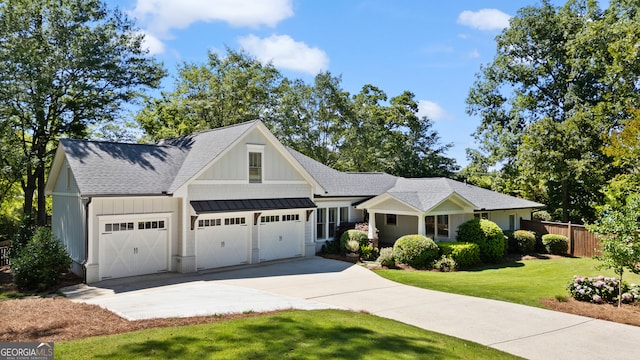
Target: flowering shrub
{"points": [[386, 257], [444, 264], [355, 235], [601, 289]]}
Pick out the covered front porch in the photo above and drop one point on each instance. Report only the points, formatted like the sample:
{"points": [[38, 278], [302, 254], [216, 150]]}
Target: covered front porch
{"points": [[390, 217]]}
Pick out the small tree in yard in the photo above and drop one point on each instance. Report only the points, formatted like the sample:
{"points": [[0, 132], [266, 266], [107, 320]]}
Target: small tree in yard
{"points": [[619, 227]]}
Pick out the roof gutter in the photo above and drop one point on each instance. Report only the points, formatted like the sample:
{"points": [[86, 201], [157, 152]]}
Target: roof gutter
{"points": [[87, 202]]}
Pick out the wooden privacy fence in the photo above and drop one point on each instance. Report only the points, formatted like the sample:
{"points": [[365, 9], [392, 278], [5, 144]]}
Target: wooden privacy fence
{"points": [[4, 255], [581, 242]]}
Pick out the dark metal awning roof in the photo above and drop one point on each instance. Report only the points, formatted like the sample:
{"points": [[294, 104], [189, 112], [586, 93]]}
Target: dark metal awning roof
{"points": [[215, 206]]}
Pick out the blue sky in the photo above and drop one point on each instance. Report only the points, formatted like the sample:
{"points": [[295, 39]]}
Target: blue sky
{"points": [[431, 48]]}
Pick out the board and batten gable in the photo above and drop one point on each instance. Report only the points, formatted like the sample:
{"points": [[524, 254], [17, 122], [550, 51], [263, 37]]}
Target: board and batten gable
{"points": [[227, 177], [68, 214]]}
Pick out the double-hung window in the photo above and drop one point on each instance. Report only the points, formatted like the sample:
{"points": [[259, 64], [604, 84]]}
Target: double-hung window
{"points": [[255, 163]]}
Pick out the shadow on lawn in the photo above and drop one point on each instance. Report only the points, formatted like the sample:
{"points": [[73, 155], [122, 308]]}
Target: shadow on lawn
{"points": [[283, 337], [504, 265]]}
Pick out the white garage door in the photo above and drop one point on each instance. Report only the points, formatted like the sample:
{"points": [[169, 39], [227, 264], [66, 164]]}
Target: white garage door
{"points": [[281, 235], [222, 241], [133, 247]]}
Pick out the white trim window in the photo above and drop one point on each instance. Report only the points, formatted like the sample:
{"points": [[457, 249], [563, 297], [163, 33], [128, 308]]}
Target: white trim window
{"points": [[255, 163], [437, 226], [328, 220]]}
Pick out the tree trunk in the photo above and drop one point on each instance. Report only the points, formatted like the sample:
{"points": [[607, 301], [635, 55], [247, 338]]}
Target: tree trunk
{"points": [[42, 204], [29, 189]]}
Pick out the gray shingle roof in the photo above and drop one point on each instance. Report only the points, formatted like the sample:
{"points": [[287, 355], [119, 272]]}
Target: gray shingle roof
{"points": [[337, 183], [424, 194], [106, 168]]}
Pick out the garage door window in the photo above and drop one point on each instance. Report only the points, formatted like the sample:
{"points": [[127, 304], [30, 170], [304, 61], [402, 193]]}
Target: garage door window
{"points": [[118, 227], [234, 221], [268, 219], [209, 222], [144, 225], [291, 217]]}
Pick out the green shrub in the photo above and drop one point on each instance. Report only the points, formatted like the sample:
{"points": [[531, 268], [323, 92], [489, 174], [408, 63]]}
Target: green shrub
{"points": [[369, 253], [20, 239], [524, 241], [330, 247], [417, 251], [386, 257], [445, 264], [541, 215], [352, 246], [487, 235], [556, 244], [465, 255], [356, 235], [40, 262]]}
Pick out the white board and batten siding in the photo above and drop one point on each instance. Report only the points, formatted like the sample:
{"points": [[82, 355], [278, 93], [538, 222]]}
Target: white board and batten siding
{"points": [[68, 214], [153, 248]]}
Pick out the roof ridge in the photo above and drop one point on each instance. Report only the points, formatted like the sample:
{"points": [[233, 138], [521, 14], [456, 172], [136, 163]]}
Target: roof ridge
{"points": [[245, 123], [111, 142]]}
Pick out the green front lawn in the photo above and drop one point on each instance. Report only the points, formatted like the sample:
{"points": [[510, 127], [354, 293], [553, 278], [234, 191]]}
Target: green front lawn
{"points": [[323, 334], [523, 282]]}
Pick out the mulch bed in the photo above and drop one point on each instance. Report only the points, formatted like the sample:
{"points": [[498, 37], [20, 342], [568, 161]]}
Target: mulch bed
{"points": [[57, 319], [626, 314]]}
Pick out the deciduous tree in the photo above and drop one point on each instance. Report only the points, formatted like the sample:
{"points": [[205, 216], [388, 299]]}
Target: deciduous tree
{"points": [[562, 77], [64, 64]]}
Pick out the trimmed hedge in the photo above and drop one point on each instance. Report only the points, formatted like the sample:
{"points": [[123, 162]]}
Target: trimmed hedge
{"points": [[555, 244], [360, 236], [465, 255], [524, 241], [417, 251], [487, 235]]}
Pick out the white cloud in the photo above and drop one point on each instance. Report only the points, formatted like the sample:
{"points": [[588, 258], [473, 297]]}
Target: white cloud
{"points": [[432, 110], [484, 19], [160, 16], [474, 54], [284, 52], [152, 43]]}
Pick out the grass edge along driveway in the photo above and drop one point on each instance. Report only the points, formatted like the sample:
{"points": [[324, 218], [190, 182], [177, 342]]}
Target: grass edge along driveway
{"points": [[523, 282], [296, 334]]}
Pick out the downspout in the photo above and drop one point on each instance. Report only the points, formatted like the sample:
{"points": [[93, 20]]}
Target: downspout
{"points": [[87, 201]]}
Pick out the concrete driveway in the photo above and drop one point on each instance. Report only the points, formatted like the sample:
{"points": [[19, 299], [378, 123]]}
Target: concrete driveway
{"points": [[319, 283]]}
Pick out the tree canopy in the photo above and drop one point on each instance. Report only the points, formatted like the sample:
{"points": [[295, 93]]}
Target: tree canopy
{"points": [[363, 132], [562, 77], [63, 66]]}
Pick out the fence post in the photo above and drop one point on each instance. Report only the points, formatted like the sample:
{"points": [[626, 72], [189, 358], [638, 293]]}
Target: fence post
{"points": [[571, 244]]}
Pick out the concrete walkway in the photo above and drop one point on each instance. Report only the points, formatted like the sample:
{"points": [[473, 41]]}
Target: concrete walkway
{"points": [[317, 283]]}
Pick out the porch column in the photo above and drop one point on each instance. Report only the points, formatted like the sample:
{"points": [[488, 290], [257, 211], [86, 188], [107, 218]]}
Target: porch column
{"points": [[372, 225], [421, 225]]}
